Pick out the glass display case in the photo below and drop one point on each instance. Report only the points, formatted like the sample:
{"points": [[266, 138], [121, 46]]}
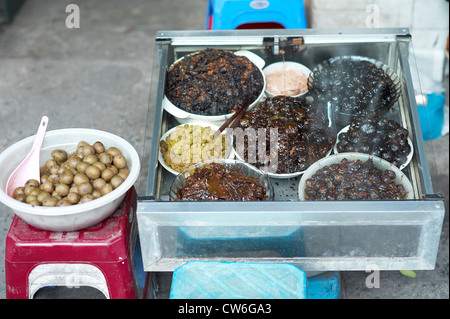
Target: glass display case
{"points": [[338, 233]]}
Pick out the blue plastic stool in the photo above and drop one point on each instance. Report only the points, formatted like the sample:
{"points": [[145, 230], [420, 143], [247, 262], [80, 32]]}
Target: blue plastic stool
{"points": [[224, 280], [256, 14], [324, 286]]}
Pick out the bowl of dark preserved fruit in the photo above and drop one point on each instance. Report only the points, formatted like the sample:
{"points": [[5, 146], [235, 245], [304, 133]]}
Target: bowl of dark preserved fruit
{"points": [[221, 180], [377, 136], [354, 176], [354, 85], [210, 85]]}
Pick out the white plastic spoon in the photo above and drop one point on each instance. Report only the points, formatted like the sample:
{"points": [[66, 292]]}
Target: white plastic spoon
{"points": [[29, 168]]}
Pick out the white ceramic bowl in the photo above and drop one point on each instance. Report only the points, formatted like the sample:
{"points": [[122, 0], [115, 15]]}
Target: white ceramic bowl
{"points": [[335, 159], [75, 217], [185, 117], [228, 154], [286, 65], [408, 158]]}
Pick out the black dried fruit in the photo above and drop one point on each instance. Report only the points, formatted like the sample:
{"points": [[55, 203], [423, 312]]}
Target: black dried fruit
{"points": [[377, 136], [355, 87]]}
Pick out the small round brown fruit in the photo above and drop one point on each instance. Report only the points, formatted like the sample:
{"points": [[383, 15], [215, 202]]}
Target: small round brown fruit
{"points": [[59, 155], [114, 151], [98, 183], [93, 172], [80, 178], [107, 174], [48, 187], [66, 177], [116, 181], [85, 188], [62, 189], [73, 198], [105, 158], [120, 161], [99, 147], [50, 201], [106, 189]]}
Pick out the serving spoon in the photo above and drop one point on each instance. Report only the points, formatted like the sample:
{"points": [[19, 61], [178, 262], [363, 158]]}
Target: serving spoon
{"points": [[29, 168]]}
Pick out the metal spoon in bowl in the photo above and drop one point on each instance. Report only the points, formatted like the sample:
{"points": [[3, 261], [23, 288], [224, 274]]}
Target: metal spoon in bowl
{"points": [[29, 168]]}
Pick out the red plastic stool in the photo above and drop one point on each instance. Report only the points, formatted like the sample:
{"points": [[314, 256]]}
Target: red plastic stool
{"points": [[99, 256]]}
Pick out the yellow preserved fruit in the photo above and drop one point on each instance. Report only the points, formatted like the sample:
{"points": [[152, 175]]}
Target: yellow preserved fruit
{"points": [[191, 144]]}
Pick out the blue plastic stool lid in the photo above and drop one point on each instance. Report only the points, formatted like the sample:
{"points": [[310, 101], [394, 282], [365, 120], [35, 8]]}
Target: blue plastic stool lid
{"points": [[229, 280]]}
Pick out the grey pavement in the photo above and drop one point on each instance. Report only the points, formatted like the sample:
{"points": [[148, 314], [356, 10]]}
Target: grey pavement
{"points": [[98, 76]]}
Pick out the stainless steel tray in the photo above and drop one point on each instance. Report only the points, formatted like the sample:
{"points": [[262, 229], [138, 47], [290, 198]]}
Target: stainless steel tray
{"points": [[316, 236]]}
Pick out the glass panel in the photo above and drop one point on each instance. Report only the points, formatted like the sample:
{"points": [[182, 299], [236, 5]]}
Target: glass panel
{"points": [[424, 129], [337, 235], [152, 129], [276, 242]]}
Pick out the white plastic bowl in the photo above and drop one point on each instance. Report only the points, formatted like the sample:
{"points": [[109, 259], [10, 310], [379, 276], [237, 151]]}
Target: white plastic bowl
{"points": [[184, 117], [408, 158], [287, 65], [75, 217], [377, 162], [228, 154]]}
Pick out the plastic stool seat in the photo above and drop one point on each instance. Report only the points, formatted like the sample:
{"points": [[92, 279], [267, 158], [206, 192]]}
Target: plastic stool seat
{"points": [[229, 280], [99, 256], [244, 14], [225, 280]]}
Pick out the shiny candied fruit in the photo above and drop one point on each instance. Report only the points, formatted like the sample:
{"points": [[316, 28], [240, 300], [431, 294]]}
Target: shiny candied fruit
{"points": [[353, 180], [376, 136], [355, 87], [303, 133]]}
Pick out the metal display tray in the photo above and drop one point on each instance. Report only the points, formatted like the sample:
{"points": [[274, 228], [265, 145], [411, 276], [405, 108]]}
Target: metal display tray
{"points": [[316, 236]]}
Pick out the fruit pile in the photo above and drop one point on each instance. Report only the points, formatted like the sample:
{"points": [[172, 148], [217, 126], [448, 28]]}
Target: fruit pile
{"points": [[355, 87], [353, 180], [376, 136]]}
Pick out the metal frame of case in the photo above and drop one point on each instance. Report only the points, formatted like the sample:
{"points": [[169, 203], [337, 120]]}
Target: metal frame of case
{"points": [[321, 236]]}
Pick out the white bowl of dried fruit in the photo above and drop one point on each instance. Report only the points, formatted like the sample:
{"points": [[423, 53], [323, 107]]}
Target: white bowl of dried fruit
{"points": [[85, 174], [191, 143]]}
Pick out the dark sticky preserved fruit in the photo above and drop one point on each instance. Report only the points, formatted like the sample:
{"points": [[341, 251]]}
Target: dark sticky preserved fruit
{"points": [[355, 87], [353, 180], [213, 82], [303, 133], [376, 136], [217, 182]]}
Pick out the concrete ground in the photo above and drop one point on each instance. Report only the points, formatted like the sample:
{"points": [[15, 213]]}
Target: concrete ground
{"points": [[98, 76]]}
